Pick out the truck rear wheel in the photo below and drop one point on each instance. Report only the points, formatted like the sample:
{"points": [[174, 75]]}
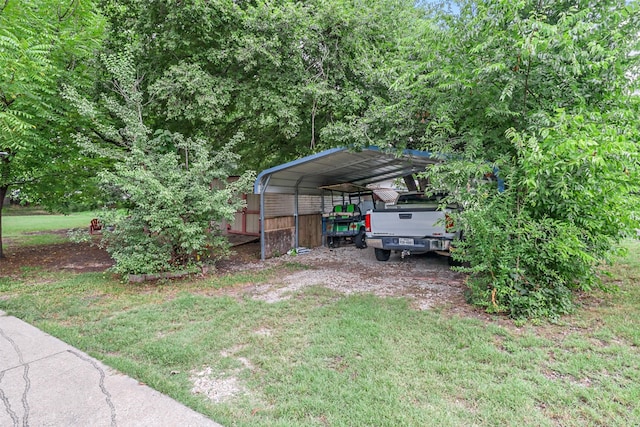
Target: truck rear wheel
{"points": [[382, 254]]}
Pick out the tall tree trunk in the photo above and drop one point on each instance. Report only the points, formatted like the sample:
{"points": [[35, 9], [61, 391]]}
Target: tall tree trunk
{"points": [[3, 193], [4, 188]]}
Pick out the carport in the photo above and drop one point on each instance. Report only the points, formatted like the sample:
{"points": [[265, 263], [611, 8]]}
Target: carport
{"points": [[306, 176]]}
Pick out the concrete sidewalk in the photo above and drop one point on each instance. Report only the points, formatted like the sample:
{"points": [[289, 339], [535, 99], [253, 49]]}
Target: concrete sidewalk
{"points": [[45, 382]]}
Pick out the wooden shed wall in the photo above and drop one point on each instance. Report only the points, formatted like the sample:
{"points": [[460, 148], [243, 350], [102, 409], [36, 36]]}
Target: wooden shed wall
{"points": [[280, 222], [280, 234], [247, 221]]}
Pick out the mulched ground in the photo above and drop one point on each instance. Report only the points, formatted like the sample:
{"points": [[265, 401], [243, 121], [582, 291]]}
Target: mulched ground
{"points": [[87, 257], [78, 257]]}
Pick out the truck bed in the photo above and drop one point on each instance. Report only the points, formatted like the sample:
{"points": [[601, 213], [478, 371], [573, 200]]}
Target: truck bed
{"points": [[408, 228], [408, 222]]}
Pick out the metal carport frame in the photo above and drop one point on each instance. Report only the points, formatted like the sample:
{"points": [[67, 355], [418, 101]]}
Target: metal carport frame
{"points": [[305, 176]]}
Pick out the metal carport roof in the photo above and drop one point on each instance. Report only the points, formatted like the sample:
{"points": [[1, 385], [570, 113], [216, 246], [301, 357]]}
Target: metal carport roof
{"points": [[305, 176], [338, 166]]}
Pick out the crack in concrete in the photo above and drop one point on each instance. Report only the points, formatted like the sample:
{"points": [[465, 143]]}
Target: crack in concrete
{"points": [[25, 401], [48, 356], [25, 376], [103, 388], [7, 404]]}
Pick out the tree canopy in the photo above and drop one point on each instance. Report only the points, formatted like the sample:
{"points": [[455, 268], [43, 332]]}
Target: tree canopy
{"points": [[43, 44], [280, 72]]}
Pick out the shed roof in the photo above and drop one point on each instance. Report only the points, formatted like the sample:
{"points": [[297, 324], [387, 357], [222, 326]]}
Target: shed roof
{"points": [[338, 166]]}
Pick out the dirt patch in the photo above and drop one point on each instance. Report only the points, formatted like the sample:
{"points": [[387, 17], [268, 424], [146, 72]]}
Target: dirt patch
{"points": [[216, 388], [89, 257], [77, 257], [426, 280]]}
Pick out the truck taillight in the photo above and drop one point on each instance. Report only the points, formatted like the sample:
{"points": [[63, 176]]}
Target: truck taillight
{"points": [[367, 222], [448, 223]]}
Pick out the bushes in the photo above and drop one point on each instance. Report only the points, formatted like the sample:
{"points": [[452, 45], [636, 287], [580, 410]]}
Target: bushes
{"points": [[166, 192], [172, 208], [568, 200], [522, 266]]}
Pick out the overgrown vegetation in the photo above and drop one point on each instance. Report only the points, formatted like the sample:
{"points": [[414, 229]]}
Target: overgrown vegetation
{"points": [[540, 96], [168, 194], [324, 358]]}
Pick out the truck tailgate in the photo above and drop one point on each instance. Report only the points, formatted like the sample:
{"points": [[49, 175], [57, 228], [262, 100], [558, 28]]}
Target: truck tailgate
{"points": [[409, 223]]}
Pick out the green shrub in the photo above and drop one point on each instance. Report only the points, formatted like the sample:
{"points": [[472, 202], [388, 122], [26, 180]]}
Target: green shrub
{"points": [[172, 210], [167, 193], [569, 199]]}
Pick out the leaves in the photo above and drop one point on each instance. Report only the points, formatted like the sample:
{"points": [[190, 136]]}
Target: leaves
{"points": [[540, 93], [166, 193], [39, 52], [288, 74]]}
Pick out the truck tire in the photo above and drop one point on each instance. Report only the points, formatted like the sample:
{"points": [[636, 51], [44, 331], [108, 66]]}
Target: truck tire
{"points": [[360, 240], [382, 254]]}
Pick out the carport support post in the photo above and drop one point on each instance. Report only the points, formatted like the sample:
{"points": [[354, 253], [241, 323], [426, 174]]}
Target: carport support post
{"points": [[295, 215], [262, 233], [297, 224], [324, 237]]}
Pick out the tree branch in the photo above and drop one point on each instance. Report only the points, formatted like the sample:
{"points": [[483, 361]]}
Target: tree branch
{"points": [[526, 87], [72, 6], [314, 110], [7, 103], [36, 179], [107, 139]]}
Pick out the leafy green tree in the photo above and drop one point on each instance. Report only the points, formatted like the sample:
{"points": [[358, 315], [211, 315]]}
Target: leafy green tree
{"points": [[539, 93], [43, 44], [168, 193], [280, 72]]}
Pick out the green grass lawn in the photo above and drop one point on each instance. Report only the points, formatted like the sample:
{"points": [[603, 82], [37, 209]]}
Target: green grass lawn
{"points": [[17, 225], [326, 359], [31, 229]]}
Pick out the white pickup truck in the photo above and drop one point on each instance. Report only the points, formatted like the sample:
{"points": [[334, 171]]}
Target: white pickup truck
{"points": [[413, 224]]}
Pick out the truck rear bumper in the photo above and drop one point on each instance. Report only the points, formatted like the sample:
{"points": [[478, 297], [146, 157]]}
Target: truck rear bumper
{"points": [[413, 245]]}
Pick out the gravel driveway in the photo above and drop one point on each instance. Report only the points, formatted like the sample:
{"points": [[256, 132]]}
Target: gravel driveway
{"points": [[425, 280]]}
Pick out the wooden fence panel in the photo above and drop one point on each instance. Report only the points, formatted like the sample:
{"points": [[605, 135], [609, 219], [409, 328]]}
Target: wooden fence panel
{"points": [[278, 223], [310, 230], [280, 233]]}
